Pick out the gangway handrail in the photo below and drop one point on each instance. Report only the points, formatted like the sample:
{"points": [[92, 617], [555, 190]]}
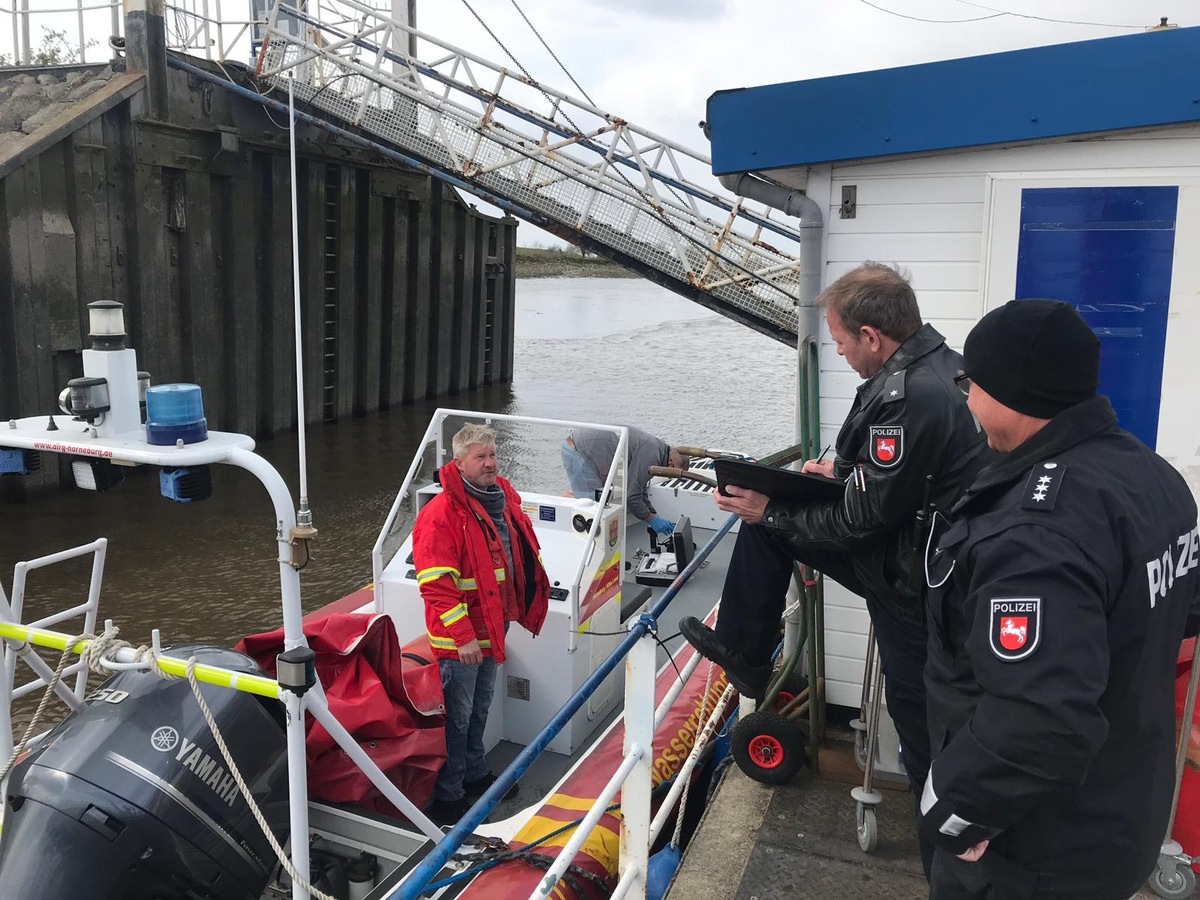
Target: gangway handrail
{"points": [[624, 192], [492, 97], [412, 886]]}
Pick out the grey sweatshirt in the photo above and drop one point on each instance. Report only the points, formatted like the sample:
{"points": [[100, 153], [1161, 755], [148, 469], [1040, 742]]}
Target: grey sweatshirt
{"points": [[645, 450]]}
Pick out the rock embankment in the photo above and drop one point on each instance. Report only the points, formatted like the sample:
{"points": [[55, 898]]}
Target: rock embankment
{"points": [[28, 101]]}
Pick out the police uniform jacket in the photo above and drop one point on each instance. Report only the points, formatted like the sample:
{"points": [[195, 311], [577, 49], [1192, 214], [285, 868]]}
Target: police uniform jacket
{"points": [[909, 420], [1058, 599]]}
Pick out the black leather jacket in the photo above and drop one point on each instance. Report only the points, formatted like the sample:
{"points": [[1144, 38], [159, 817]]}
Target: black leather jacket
{"points": [[1058, 596], [908, 421]]}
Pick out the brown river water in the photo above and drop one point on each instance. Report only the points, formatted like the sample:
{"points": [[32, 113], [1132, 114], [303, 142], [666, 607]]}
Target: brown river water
{"points": [[623, 351]]}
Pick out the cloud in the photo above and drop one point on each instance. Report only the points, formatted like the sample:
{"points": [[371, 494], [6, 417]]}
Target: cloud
{"points": [[671, 10]]}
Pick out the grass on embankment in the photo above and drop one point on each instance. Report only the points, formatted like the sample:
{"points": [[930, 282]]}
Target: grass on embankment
{"points": [[553, 263]]}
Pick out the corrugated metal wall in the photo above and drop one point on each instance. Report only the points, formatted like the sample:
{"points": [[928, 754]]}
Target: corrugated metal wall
{"points": [[407, 293]]}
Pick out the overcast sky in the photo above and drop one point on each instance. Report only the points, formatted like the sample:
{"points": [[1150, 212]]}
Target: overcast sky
{"points": [[655, 62]]}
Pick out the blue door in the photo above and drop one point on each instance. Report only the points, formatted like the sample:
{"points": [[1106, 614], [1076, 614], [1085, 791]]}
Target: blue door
{"points": [[1108, 251]]}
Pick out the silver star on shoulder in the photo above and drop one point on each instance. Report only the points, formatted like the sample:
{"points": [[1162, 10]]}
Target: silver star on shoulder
{"points": [[1045, 479], [893, 393], [1039, 495]]}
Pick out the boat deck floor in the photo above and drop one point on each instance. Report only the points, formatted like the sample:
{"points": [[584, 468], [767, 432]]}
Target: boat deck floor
{"points": [[797, 841]]}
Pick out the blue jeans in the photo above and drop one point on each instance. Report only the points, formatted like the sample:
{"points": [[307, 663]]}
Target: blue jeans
{"points": [[584, 478], [468, 694]]}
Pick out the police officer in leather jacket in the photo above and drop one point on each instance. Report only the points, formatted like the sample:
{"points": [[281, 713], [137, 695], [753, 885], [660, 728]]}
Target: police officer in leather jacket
{"points": [[908, 437], [1059, 593]]}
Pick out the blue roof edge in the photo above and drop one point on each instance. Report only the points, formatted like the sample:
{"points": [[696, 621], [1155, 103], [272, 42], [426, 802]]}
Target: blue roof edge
{"points": [[1111, 84]]}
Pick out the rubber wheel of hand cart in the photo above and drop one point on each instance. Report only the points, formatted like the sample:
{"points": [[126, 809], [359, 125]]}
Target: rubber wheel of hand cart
{"points": [[1177, 884], [791, 688], [769, 748], [866, 828]]}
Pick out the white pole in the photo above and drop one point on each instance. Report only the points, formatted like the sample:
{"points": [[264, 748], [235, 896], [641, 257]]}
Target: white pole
{"points": [[24, 52], [297, 790], [304, 517], [639, 732]]}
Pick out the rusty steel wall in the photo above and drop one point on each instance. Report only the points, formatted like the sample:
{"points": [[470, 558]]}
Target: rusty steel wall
{"points": [[407, 294]]}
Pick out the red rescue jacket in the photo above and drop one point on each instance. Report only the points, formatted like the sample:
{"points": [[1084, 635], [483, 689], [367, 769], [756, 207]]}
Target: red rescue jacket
{"points": [[463, 572]]}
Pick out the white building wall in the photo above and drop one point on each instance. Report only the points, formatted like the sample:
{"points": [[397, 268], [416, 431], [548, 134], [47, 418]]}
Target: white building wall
{"points": [[947, 221]]}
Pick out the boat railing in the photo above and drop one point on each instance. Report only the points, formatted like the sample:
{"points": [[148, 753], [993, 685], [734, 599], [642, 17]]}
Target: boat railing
{"points": [[633, 777], [12, 610]]}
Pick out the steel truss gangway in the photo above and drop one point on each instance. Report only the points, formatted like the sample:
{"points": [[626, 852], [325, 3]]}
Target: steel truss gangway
{"points": [[586, 175]]}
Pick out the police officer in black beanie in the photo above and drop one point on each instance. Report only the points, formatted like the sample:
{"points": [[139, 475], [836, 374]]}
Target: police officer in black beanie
{"points": [[1061, 585]]}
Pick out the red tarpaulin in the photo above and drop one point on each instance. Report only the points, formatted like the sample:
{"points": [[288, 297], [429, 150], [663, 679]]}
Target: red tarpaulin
{"points": [[392, 707]]}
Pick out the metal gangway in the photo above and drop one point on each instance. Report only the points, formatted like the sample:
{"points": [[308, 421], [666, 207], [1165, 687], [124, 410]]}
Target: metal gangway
{"points": [[584, 174]]}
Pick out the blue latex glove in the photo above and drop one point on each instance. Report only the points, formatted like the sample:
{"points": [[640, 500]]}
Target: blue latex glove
{"points": [[661, 525]]}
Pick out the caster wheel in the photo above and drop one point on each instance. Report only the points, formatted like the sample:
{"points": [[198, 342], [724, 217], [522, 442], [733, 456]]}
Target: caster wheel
{"points": [[769, 748], [860, 749], [866, 828], [1181, 882]]}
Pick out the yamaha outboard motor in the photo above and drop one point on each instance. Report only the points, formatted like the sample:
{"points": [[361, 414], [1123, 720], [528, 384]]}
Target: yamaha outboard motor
{"points": [[130, 799]]}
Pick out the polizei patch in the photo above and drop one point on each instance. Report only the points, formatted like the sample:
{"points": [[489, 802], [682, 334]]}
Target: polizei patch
{"points": [[1016, 627], [887, 445]]}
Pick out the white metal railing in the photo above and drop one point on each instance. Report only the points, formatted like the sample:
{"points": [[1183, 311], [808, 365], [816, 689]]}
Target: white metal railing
{"points": [[623, 187], [13, 610], [78, 31]]}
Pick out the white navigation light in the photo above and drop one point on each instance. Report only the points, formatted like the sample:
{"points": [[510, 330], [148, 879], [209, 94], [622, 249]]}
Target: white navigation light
{"points": [[106, 325], [96, 474], [175, 412], [88, 398]]}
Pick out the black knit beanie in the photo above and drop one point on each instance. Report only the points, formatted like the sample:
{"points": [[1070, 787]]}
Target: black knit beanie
{"points": [[1037, 357]]}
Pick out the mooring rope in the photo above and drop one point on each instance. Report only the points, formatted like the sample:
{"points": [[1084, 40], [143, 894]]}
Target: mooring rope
{"points": [[245, 790]]}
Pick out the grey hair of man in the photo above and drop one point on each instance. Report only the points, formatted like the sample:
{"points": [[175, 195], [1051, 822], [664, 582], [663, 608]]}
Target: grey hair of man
{"points": [[877, 295], [471, 434]]}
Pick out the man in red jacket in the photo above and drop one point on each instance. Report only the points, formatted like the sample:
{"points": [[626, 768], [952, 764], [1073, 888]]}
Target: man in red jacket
{"points": [[479, 567]]}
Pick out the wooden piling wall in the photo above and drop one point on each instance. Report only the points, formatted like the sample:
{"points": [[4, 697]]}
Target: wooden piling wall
{"points": [[406, 292]]}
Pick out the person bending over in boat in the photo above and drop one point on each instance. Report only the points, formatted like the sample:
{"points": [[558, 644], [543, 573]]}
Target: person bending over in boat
{"points": [[587, 454], [479, 568], [909, 422]]}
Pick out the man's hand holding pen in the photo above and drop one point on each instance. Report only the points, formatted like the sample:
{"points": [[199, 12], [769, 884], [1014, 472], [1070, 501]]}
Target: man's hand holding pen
{"points": [[819, 466]]}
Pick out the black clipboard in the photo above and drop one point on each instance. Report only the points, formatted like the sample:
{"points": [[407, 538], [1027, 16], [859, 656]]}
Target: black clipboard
{"points": [[778, 484]]}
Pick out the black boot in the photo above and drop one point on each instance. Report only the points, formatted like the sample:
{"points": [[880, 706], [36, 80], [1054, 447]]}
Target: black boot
{"points": [[750, 680]]}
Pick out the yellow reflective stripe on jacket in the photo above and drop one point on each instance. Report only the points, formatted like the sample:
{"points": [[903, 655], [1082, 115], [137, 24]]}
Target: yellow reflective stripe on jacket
{"points": [[435, 572], [453, 614], [427, 575], [445, 643], [500, 574]]}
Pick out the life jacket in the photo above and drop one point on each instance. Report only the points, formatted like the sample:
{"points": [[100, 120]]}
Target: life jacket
{"points": [[463, 571]]}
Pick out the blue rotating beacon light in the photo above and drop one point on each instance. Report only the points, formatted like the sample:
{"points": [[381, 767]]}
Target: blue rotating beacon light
{"points": [[174, 413]]}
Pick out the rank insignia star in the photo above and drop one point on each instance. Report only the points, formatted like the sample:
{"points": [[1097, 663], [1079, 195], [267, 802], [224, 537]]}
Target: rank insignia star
{"points": [[893, 393], [1042, 486]]}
